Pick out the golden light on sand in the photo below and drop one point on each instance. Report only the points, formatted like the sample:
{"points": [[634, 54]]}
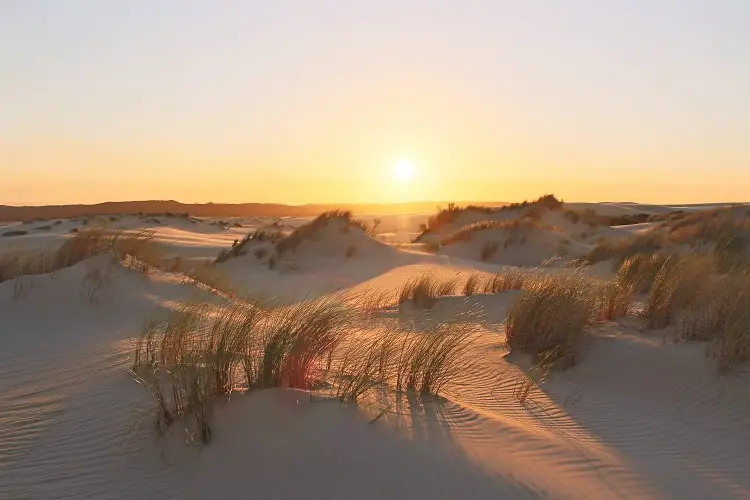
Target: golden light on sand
{"points": [[403, 170]]}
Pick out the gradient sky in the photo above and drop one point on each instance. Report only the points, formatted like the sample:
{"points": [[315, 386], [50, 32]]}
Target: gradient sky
{"points": [[314, 100]]}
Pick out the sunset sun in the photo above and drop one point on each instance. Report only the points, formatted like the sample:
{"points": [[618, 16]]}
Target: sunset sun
{"points": [[403, 170]]}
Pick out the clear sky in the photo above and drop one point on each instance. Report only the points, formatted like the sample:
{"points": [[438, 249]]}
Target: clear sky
{"points": [[316, 100]]}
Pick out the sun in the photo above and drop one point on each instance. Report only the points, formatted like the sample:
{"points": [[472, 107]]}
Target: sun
{"points": [[403, 170]]}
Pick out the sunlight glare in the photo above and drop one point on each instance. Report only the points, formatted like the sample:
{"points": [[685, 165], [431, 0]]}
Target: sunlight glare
{"points": [[403, 170]]}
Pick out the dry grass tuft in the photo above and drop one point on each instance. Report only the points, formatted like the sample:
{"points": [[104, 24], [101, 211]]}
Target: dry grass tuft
{"points": [[203, 351], [425, 289], [548, 320], [239, 247], [638, 272], [473, 284], [611, 300], [512, 279], [620, 250], [310, 230], [681, 283], [515, 228]]}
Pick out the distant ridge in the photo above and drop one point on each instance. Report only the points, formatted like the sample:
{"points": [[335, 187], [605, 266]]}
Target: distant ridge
{"points": [[25, 213]]}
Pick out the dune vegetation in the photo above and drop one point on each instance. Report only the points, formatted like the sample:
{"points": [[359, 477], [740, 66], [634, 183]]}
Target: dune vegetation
{"points": [[203, 351], [310, 231]]}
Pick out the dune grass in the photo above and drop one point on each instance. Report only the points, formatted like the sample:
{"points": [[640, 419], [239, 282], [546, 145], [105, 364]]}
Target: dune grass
{"points": [[620, 250], [239, 247], [547, 321], [511, 279], [82, 245], [513, 228], [203, 351], [447, 216], [638, 272], [681, 283], [424, 290], [311, 229]]}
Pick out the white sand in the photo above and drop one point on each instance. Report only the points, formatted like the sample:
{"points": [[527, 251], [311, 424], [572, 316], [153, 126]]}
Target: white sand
{"points": [[638, 417]]}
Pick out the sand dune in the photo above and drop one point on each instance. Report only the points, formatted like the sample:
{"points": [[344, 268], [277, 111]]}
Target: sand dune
{"points": [[639, 416]]}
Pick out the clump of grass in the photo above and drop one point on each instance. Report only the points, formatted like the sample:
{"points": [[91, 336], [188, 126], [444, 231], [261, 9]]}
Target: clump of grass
{"points": [[638, 272], [201, 352], [722, 318], [680, 284], [425, 289], [513, 279], [310, 230], [611, 300], [426, 361], [622, 249], [239, 247], [473, 284], [549, 318], [514, 227], [447, 216]]}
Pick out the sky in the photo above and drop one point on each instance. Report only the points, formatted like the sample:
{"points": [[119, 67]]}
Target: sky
{"points": [[307, 101]]}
